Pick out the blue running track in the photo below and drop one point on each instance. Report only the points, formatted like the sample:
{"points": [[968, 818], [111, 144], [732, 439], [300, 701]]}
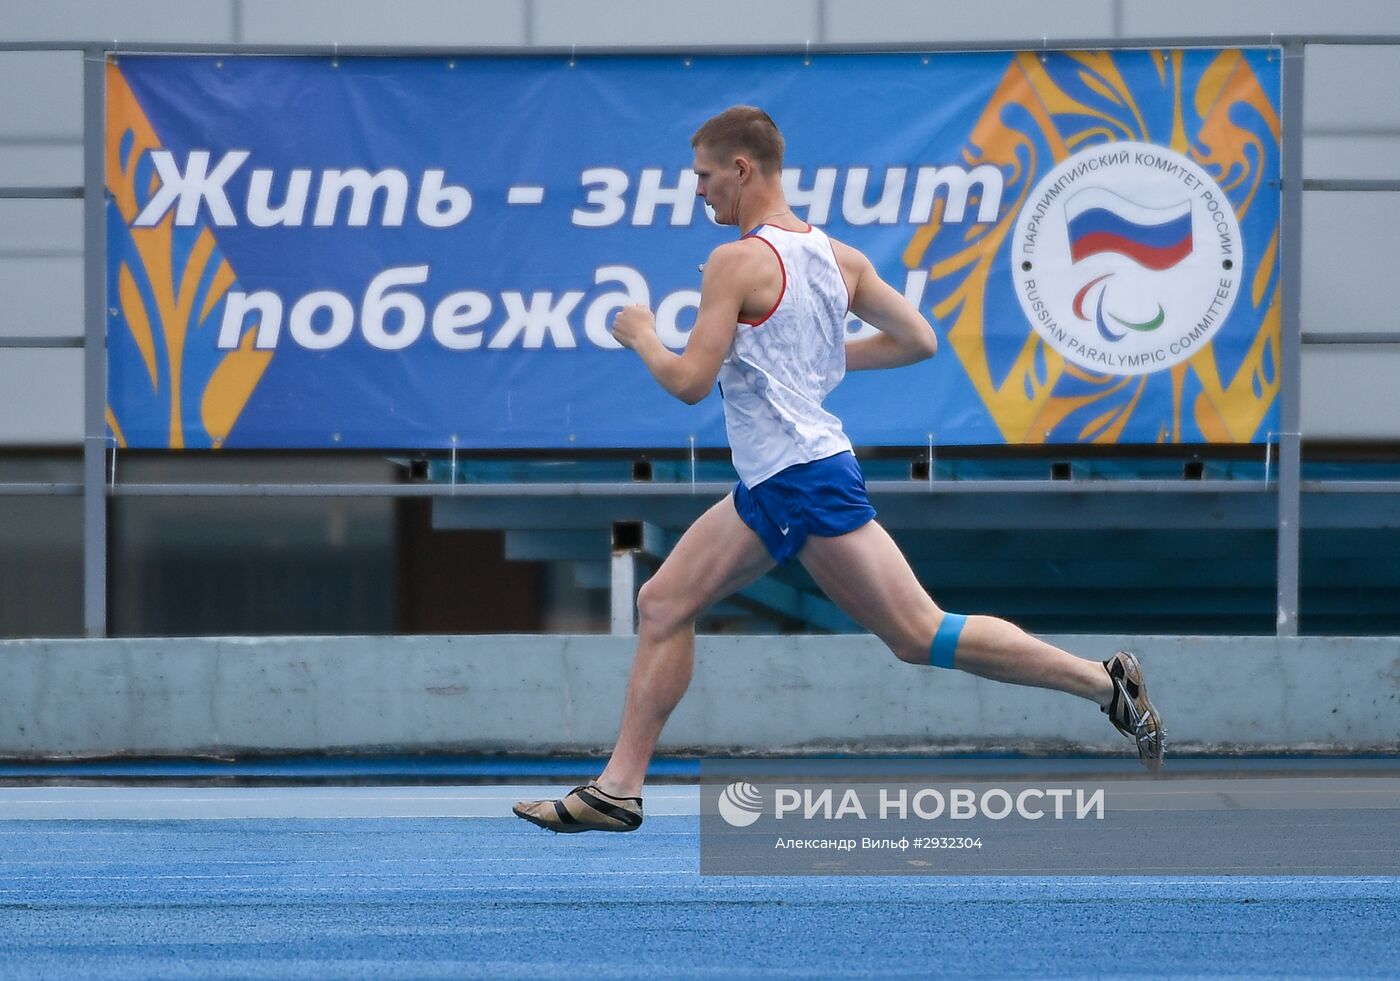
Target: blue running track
{"points": [[397, 893]]}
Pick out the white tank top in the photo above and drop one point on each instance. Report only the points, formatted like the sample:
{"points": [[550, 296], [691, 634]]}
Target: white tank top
{"points": [[780, 368]]}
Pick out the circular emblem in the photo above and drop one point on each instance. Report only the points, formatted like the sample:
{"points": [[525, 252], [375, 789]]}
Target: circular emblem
{"points": [[740, 804], [1127, 258]]}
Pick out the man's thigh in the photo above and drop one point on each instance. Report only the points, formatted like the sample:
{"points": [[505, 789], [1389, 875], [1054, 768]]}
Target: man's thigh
{"points": [[716, 556], [868, 577]]}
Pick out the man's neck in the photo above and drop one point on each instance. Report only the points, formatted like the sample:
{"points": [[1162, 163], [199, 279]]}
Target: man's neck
{"points": [[770, 209]]}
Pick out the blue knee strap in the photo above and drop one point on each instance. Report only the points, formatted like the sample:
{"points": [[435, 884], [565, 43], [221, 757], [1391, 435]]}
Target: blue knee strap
{"points": [[945, 641]]}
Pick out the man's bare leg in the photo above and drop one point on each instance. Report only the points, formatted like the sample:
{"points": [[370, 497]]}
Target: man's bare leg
{"points": [[865, 574], [718, 555]]}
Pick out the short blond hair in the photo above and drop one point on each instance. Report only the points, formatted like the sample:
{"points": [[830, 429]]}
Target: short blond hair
{"points": [[746, 131]]}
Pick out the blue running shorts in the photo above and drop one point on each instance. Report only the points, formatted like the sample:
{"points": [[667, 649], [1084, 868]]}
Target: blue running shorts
{"points": [[825, 498]]}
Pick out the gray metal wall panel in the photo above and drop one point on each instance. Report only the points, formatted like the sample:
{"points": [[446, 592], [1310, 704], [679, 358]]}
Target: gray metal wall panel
{"points": [[1350, 255], [41, 94], [41, 113], [1351, 116], [1349, 393], [41, 298], [1352, 87], [465, 22], [1205, 17], [1351, 155], [925, 22], [40, 226], [645, 22], [52, 162], [41, 397], [105, 20]]}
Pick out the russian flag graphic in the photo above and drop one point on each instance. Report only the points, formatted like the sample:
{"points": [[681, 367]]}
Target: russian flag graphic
{"points": [[1101, 221]]}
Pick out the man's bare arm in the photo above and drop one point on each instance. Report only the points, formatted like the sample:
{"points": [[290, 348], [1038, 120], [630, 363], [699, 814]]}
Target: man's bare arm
{"points": [[690, 376], [905, 336]]}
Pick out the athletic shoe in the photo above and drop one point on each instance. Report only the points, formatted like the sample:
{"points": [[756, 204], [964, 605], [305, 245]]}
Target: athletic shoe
{"points": [[585, 808], [1130, 711]]}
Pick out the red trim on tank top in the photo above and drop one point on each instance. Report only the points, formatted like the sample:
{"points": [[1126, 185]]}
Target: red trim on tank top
{"points": [[782, 268]]}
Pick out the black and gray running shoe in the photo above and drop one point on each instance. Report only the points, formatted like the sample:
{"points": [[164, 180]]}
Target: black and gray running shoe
{"points": [[1130, 711]]}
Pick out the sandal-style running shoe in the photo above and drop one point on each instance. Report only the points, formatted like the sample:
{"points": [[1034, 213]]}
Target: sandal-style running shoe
{"points": [[585, 808]]}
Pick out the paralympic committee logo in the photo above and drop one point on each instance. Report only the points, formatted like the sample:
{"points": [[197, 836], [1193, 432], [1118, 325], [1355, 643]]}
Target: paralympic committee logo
{"points": [[1127, 258]]}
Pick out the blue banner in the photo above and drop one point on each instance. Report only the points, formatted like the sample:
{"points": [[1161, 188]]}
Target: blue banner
{"points": [[425, 253]]}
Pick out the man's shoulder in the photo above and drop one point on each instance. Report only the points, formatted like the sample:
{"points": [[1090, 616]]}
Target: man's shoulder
{"points": [[852, 261], [844, 251], [743, 260], [739, 251]]}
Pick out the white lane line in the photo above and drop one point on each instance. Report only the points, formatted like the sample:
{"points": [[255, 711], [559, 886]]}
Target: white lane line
{"points": [[1169, 887], [327, 877], [340, 803], [387, 792]]}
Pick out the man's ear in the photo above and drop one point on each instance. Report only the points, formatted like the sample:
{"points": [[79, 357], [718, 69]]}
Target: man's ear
{"points": [[744, 167]]}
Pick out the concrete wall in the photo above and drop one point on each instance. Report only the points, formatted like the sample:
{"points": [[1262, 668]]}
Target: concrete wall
{"points": [[550, 694], [1352, 130]]}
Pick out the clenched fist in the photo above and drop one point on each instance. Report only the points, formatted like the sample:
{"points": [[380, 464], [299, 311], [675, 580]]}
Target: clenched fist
{"points": [[631, 324]]}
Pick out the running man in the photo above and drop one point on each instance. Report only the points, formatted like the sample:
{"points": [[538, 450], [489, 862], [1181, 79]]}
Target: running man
{"points": [[771, 329]]}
